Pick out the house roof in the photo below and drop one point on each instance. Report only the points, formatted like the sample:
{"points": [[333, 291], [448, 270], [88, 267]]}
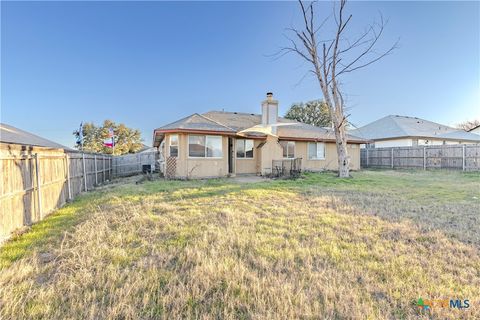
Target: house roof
{"points": [[196, 122], [394, 126], [233, 122], [10, 134], [306, 131], [239, 120]]}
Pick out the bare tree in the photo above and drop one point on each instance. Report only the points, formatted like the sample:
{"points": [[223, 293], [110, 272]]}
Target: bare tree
{"points": [[469, 125], [331, 59]]}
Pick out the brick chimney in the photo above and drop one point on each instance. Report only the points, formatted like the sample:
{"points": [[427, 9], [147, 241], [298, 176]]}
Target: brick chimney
{"points": [[270, 112]]}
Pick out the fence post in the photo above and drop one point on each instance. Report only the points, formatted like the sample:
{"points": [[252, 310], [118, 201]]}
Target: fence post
{"points": [[84, 172], [424, 158], [392, 158], [103, 167], [139, 163], [367, 156], [39, 193], [67, 167], [96, 172], [463, 157]]}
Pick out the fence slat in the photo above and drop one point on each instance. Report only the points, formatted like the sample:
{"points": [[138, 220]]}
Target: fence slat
{"points": [[67, 169], [84, 172], [96, 171], [39, 190]]}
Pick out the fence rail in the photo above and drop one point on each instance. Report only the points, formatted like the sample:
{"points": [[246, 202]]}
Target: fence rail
{"points": [[464, 157], [36, 181]]}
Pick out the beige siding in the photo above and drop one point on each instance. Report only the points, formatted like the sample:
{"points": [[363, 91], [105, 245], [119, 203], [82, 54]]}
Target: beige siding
{"points": [[187, 167]]}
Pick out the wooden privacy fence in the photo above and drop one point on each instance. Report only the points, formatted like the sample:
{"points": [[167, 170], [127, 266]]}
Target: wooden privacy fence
{"points": [[464, 157], [36, 181], [131, 164]]}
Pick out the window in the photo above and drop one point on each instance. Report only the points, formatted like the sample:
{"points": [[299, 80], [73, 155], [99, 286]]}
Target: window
{"points": [[316, 150], [173, 145], [244, 148], [214, 146], [205, 146], [288, 149]]}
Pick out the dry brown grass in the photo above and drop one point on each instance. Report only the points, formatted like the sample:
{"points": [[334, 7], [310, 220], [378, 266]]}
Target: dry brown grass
{"points": [[317, 248]]}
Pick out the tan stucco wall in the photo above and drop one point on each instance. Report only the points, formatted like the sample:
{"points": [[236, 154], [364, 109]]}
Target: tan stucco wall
{"points": [[271, 150], [262, 159], [198, 167], [331, 159], [249, 165]]}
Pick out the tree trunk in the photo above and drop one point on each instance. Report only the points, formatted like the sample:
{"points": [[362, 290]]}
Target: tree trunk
{"points": [[342, 153]]}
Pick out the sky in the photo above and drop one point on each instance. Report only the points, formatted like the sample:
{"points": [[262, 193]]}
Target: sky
{"points": [[147, 64]]}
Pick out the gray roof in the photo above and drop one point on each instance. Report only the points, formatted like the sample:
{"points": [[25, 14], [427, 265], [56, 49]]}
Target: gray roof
{"points": [[307, 131], [239, 120], [196, 122], [10, 134], [395, 126], [223, 121]]}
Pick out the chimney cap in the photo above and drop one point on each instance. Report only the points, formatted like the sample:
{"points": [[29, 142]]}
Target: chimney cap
{"points": [[269, 94]]}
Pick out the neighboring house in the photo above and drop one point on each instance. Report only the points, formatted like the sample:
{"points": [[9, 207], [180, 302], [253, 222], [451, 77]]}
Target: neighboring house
{"points": [[10, 135], [401, 131], [218, 143]]}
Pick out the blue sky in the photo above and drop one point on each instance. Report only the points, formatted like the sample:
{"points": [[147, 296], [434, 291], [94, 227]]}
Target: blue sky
{"points": [[150, 63]]}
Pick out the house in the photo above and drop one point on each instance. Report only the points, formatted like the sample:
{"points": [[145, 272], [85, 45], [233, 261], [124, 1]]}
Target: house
{"points": [[9, 135], [402, 131], [219, 143]]}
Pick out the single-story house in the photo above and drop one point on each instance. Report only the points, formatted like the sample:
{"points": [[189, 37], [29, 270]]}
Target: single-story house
{"points": [[15, 136], [402, 131], [219, 143]]}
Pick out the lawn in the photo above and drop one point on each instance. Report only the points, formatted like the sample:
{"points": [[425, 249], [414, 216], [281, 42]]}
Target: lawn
{"points": [[314, 248]]}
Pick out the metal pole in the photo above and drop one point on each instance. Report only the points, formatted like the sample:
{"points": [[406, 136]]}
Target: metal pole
{"points": [[392, 158], [424, 158], [96, 172], [463, 157], [84, 172], [67, 167], [39, 193]]}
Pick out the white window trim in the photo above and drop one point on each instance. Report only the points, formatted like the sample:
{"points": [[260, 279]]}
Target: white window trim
{"points": [[205, 157], [324, 152], [245, 152], [170, 145], [294, 150]]}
